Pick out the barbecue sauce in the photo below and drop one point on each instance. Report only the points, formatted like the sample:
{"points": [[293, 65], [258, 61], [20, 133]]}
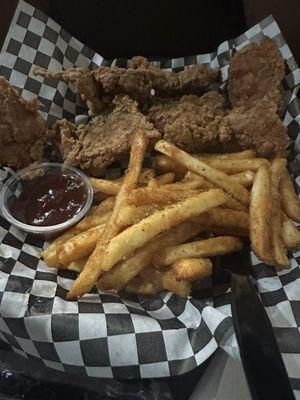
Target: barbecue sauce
{"points": [[50, 199]]}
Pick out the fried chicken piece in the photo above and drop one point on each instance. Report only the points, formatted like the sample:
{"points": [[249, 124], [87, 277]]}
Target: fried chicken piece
{"points": [[23, 132], [106, 138], [192, 123], [256, 71], [85, 84], [98, 87], [258, 128]]}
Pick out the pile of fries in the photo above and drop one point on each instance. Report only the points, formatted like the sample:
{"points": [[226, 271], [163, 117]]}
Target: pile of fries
{"points": [[156, 229]]}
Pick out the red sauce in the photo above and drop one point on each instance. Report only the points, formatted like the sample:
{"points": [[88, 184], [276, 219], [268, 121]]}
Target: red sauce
{"points": [[49, 199]]}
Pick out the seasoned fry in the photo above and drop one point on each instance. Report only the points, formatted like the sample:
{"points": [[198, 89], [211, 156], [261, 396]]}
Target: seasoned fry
{"points": [[146, 285], [152, 184], [202, 248], [290, 201], [225, 217], [169, 282], [102, 208], [137, 235], [80, 245], [192, 269], [279, 250], [151, 281], [164, 163], [50, 254], [290, 233], [234, 204], [159, 195], [112, 187], [92, 269], [261, 216], [165, 178], [235, 166], [106, 186], [132, 214], [99, 196], [146, 175], [240, 155], [125, 271], [244, 178], [215, 176], [77, 265], [93, 220]]}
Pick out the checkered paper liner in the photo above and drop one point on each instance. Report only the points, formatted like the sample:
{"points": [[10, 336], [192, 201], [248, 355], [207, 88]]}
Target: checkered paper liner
{"points": [[103, 334]]}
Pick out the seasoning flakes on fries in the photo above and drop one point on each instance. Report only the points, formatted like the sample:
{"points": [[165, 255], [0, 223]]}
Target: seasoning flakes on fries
{"points": [[143, 237]]}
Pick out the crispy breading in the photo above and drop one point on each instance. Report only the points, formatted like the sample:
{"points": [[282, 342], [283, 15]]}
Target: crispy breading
{"points": [[256, 71], [85, 85], [139, 80], [106, 138], [258, 128], [23, 132], [192, 123]]}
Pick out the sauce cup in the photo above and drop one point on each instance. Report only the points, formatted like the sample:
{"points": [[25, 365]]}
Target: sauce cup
{"points": [[12, 189]]}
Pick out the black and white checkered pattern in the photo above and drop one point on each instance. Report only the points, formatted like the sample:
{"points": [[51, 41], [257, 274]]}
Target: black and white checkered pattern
{"points": [[102, 334]]}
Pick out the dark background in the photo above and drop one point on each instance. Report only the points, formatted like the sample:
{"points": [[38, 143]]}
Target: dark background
{"points": [[161, 27], [116, 28]]}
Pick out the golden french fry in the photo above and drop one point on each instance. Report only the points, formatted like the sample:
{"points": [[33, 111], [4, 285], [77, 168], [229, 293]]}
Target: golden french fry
{"points": [[152, 184], [192, 269], [77, 265], [261, 216], [235, 166], [106, 186], [102, 208], [159, 195], [169, 282], [151, 281], [233, 204], [132, 214], [244, 178], [137, 235], [164, 163], [92, 270], [125, 271], [145, 175], [279, 250], [50, 254], [92, 221], [224, 217], [112, 187], [240, 155], [145, 285], [290, 233], [165, 178], [290, 201], [100, 197], [202, 248], [215, 176], [226, 231], [80, 245]]}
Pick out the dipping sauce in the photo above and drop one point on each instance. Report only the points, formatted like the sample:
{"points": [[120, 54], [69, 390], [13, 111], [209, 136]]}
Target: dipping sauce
{"points": [[49, 199]]}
